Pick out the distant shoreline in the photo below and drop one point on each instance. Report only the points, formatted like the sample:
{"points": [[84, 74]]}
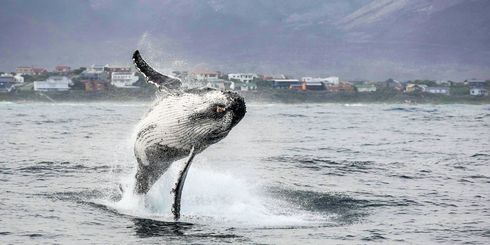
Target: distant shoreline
{"points": [[265, 96]]}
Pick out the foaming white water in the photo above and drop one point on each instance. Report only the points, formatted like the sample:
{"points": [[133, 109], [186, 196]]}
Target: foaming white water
{"points": [[354, 105], [210, 196]]}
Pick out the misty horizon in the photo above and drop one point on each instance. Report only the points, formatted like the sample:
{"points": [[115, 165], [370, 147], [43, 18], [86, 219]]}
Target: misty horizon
{"points": [[354, 39]]}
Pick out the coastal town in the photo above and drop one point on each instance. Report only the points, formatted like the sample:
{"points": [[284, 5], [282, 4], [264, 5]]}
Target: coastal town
{"points": [[102, 78]]}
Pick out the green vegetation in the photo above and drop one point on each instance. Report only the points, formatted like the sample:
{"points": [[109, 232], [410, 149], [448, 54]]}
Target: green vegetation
{"points": [[262, 84], [429, 83], [382, 95], [459, 90], [78, 71], [459, 93], [112, 94], [32, 78]]}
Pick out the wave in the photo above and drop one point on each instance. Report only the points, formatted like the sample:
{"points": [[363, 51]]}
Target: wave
{"points": [[209, 197], [324, 164], [291, 115], [412, 109], [55, 168]]}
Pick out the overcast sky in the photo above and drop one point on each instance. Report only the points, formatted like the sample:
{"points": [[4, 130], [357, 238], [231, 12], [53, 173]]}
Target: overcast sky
{"points": [[355, 39]]}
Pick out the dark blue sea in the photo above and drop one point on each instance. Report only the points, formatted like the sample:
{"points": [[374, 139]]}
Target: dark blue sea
{"points": [[287, 174]]}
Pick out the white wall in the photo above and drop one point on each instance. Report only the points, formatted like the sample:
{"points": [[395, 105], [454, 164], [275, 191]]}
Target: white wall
{"points": [[123, 79], [53, 84]]}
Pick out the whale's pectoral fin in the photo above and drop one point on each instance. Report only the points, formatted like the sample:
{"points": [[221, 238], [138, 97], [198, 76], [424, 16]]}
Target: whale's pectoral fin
{"points": [[180, 185], [163, 82]]}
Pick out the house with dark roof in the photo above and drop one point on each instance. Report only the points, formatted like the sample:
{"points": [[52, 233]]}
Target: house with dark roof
{"points": [[7, 78], [475, 83], [394, 84], [39, 71], [111, 68], [477, 87], [6, 87], [285, 83]]}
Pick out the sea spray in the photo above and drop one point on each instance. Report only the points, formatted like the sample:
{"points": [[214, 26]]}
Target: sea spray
{"points": [[209, 196]]}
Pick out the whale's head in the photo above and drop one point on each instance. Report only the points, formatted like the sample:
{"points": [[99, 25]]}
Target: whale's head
{"points": [[214, 113], [195, 118]]}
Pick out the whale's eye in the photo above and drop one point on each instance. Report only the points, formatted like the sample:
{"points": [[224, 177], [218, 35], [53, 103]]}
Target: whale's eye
{"points": [[220, 109]]}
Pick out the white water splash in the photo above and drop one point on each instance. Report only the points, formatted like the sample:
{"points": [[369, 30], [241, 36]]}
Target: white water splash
{"points": [[210, 196]]}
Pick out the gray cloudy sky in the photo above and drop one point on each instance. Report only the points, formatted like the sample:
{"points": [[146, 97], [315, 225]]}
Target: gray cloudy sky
{"points": [[355, 39]]}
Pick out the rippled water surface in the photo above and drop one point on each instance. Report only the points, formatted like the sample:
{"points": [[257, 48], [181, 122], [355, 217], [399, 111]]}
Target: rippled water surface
{"points": [[311, 173]]}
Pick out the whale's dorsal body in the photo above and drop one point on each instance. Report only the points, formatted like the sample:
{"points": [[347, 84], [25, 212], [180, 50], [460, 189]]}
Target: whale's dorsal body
{"points": [[182, 123]]}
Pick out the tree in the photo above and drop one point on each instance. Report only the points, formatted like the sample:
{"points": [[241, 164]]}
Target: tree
{"points": [[78, 71], [77, 83]]}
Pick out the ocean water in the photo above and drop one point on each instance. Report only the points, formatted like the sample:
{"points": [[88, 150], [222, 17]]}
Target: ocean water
{"points": [[287, 174]]}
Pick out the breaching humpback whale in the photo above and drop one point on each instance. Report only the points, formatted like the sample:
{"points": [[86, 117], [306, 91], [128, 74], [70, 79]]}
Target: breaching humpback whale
{"points": [[180, 123]]}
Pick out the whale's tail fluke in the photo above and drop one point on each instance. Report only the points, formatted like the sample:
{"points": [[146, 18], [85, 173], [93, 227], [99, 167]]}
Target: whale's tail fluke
{"points": [[163, 82]]}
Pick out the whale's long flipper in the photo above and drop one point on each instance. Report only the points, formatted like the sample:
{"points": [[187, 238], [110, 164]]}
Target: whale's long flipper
{"points": [[180, 185], [163, 82]]}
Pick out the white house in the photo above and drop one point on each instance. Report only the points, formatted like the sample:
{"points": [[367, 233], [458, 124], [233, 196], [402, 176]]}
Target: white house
{"points": [[437, 90], [243, 77], [443, 83], [18, 78], [94, 72], [478, 91], [219, 84], [123, 79], [365, 88], [333, 80], [243, 86], [324, 80], [205, 75], [54, 83], [96, 69]]}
